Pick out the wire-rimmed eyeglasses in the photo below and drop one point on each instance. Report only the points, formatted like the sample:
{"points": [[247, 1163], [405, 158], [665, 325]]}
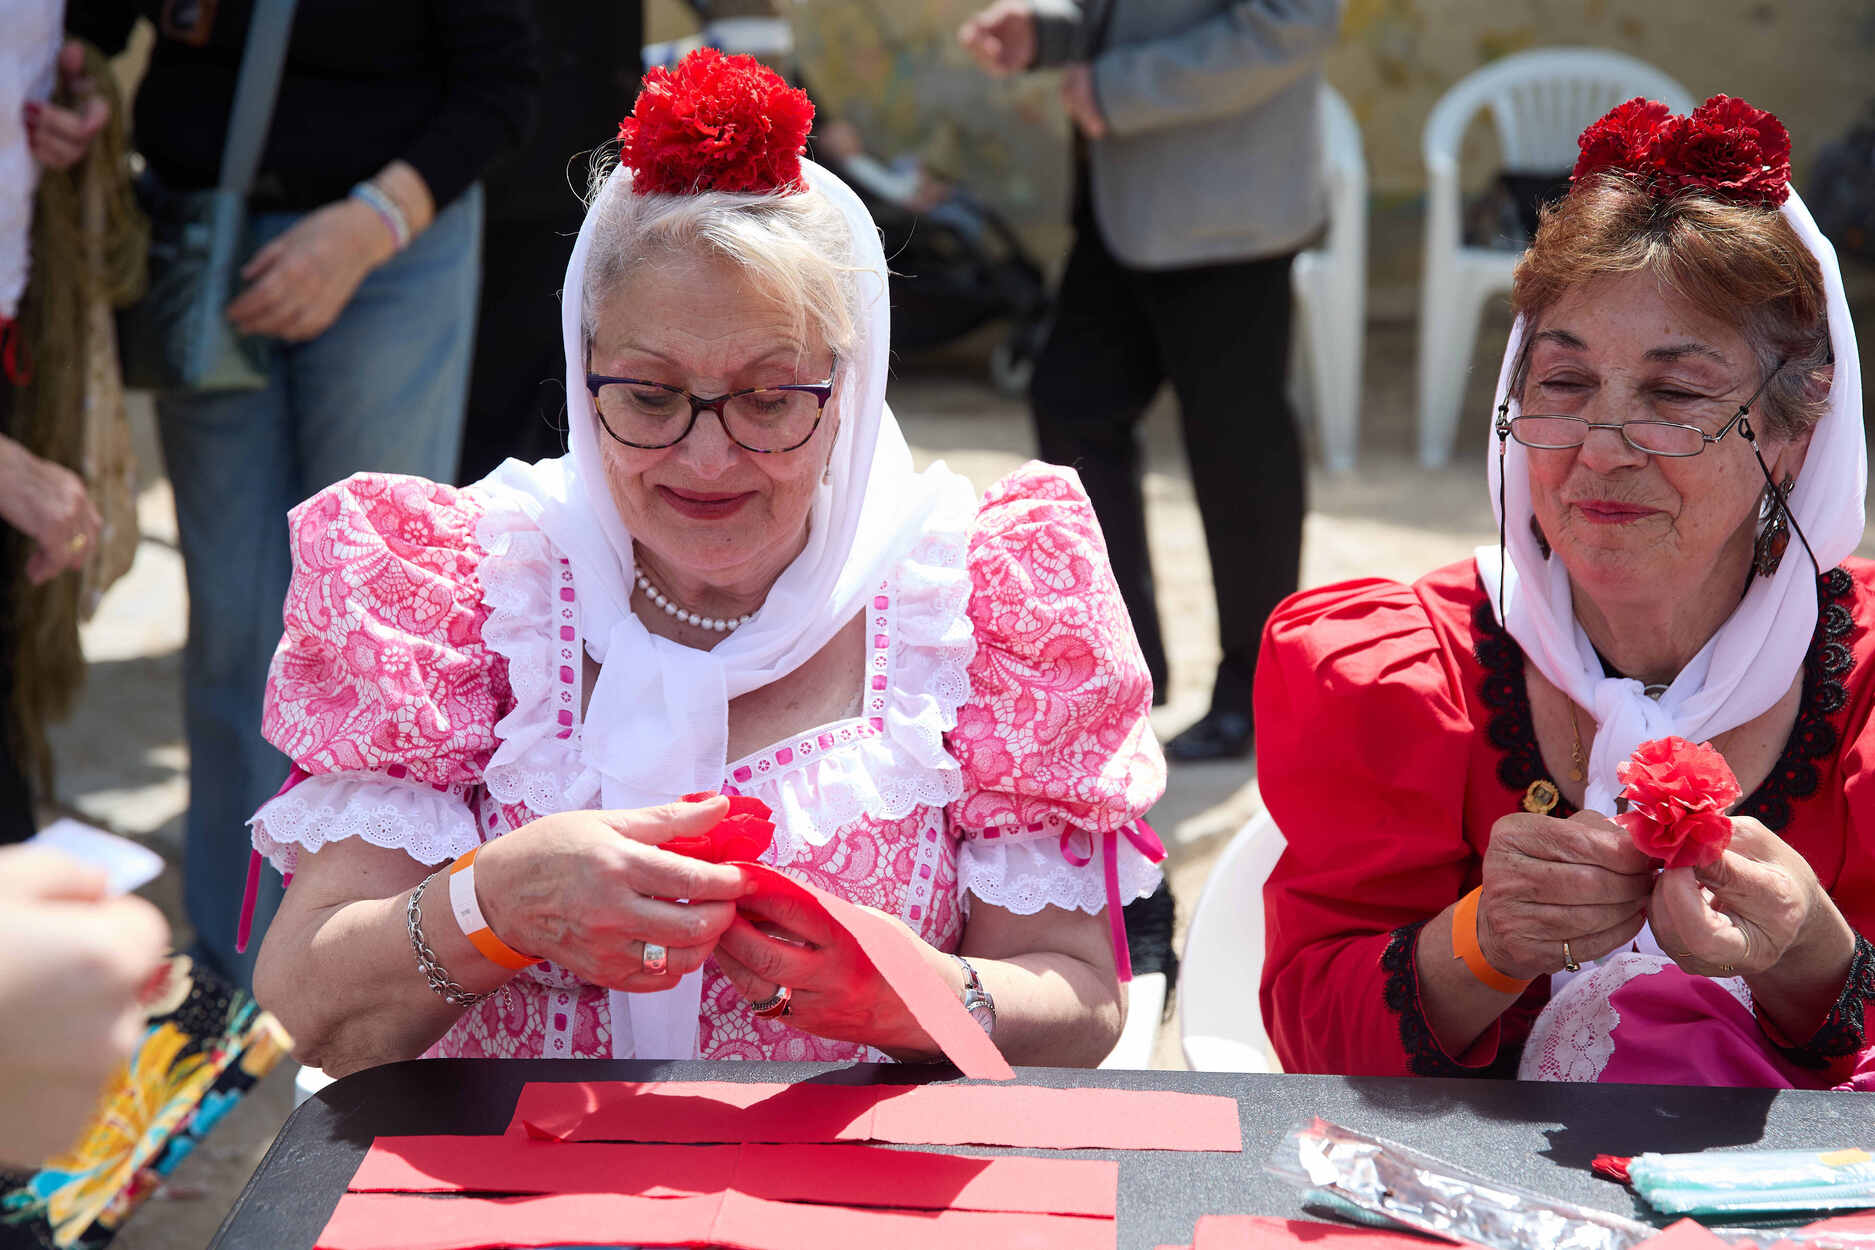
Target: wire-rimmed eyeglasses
{"points": [[766, 420], [1558, 432]]}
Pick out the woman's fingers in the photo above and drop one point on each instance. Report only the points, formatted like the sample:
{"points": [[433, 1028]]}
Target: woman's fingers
{"points": [[1606, 941], [1700, 937], [30, 873], [770, 958], [791, 914], [679, 924], [653, 825]]}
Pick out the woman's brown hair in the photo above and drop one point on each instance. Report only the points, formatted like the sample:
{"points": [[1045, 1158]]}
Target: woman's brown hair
{"points": [[1734, 262]]}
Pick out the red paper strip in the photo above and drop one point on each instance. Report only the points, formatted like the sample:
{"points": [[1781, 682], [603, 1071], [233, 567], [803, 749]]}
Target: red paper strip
{"points": [[1254, 1232], [1689, 1235], [924, 1115], [417, 1222], [894, 952], [869, 1176]]}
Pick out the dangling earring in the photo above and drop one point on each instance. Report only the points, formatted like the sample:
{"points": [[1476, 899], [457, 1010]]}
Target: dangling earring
{"points": [[1542, 543], [1774, 534]]}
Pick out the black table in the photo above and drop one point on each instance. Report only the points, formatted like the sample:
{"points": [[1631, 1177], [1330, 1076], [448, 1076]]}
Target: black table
{"points": [[1538, 1135]]}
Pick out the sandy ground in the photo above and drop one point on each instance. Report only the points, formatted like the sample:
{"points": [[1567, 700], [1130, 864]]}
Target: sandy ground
{"points": [[124, 765]]}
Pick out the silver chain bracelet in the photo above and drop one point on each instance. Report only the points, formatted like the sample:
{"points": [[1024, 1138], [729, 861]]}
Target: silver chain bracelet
{"points": [[431, 967]]}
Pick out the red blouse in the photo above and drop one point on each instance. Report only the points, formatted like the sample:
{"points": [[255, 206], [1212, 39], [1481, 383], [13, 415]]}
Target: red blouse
{"points": [[1393, 730]]}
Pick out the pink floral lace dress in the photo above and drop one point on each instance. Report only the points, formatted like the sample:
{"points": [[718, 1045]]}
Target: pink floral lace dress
{"points": [[428, 692]]}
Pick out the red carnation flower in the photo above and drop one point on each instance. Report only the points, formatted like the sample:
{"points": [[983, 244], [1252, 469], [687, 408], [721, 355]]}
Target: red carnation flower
{"points": [[1728, 147], [715, 123], [1677, 794], [1623, 139], [1725, 147]]}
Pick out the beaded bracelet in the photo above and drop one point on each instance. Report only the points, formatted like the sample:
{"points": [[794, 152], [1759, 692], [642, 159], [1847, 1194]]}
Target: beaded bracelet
{"points": [[387, 209]]}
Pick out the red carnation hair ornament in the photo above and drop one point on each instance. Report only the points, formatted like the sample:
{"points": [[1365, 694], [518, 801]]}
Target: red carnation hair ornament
{"points": [[1725, 147], [716, 123]]}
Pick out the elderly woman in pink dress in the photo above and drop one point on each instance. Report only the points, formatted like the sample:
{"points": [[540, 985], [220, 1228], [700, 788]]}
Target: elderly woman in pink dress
{"points": [[501, 699]]}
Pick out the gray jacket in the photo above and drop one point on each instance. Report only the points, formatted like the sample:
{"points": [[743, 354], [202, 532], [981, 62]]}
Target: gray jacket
{"points": [[1213, 148]]}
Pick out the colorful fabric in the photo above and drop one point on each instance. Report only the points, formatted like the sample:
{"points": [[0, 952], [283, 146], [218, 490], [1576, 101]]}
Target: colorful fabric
{"points": [[428, 689], [205, 1047]]}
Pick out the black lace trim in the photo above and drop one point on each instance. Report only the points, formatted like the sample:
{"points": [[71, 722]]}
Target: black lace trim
{"points": [[1841, 1034], [1813, 737], [1424, 1056]]}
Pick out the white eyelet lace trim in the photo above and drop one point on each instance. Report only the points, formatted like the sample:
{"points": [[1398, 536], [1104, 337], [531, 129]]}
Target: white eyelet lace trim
{"points": [[1574, 1037], [429, 825], [1024, 875], [532, 764]]}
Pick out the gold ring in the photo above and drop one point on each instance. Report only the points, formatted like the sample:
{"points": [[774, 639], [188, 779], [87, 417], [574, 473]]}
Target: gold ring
{"points": [[1569, 961], [77, 544]]}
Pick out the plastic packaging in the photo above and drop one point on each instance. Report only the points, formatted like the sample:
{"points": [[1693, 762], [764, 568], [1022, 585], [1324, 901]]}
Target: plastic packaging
{"points": [[1430, 1195], [1738, 1181]]}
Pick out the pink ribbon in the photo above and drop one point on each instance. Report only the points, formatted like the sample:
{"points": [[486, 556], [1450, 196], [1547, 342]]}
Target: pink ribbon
{"points": [[251, 894], [1143, 840]]}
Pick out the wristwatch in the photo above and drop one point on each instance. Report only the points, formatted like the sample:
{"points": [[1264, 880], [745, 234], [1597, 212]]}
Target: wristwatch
{"points": [[977, 1000]]}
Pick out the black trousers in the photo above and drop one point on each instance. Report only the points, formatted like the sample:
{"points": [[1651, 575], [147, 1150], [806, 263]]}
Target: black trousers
{"points": [[1220, 333], [16, 795]]}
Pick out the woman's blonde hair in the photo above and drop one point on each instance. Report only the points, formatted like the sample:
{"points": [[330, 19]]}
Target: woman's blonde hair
{"points": [[1740, 263], [795, 247]]}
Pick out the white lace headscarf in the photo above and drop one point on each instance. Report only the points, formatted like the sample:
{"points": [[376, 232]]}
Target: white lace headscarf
{"points": [[657, 723], [1749, 664]]}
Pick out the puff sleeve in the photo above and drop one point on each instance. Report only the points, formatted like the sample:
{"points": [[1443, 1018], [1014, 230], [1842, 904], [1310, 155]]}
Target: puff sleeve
{"points": [[1058, 755], [1364, 739], [382, 691]]}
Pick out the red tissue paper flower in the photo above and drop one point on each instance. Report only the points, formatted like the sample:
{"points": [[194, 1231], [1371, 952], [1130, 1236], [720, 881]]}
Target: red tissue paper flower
{"points": [[742, 835], [1677, 794], [1725, 147], [715, 123]]}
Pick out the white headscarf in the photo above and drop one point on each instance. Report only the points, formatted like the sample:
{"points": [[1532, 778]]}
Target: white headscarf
{"points": [[657, 725], [1749, 664]]}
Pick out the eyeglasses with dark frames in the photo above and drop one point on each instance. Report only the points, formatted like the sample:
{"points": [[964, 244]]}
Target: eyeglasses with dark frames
{"points": [[767, 420]]}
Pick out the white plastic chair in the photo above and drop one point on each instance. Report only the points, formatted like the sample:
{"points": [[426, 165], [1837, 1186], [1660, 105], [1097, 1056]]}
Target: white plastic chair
{"points": [[307, 1082], [1539, 102], [1220, 1023], [1330, 284], [1145, 1005]]}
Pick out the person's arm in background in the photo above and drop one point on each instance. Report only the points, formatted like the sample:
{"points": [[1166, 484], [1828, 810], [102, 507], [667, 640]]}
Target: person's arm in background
{"points": [[75, 962], [47, 503], [1226, 64], [301, 282], [1011, 36]]}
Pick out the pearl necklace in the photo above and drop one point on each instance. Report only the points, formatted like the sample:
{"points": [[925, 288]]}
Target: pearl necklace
{"points": [[721, 625]]}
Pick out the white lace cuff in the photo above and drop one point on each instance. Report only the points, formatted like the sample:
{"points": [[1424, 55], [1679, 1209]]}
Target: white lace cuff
{"points": [[429, 825], [1027, 874]]}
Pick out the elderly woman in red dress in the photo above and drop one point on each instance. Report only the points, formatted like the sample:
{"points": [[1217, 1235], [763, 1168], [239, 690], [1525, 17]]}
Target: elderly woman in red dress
{"points": [[1679, 469]]}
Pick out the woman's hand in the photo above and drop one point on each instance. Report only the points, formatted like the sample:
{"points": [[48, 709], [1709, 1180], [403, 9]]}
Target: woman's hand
{"points": [[588, 889], [836, 992], [76, 963], [1548, 881], [47, 503], [300, 282], [1764, 899], [1002, 37], [59, 137]]}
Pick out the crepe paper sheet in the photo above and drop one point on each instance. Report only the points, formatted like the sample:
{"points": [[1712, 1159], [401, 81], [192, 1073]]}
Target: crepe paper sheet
{"points": [[1253, 1232], [870, 1176], [897, 956], [737, 1221], [915, 1115]]}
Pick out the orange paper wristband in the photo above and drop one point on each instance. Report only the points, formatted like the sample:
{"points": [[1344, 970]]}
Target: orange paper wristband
{"points": [[1465, 947], [469, 918]]}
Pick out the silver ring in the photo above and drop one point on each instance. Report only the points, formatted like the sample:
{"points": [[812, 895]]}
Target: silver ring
{"points": [[1569, 961], [656, 958]]}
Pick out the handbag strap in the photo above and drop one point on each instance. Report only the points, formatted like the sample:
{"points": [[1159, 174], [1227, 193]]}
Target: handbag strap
{"points": [[255, 92]]}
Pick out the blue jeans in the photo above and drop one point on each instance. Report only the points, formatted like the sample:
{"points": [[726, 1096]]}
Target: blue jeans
{"points": [[382, 389]]}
